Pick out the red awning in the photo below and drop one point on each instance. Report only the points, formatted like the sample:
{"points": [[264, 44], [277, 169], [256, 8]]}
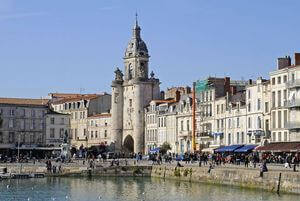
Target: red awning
{"points": [[280, 147]]}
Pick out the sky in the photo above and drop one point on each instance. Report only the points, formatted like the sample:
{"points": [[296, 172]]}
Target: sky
{"points": [[74, 46]]}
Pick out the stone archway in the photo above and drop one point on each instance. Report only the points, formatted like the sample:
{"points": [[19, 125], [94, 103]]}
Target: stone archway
{"points": [[128, 144]]}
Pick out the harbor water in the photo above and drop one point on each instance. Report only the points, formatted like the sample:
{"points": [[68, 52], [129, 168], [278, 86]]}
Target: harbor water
{"points": [[127, 189]]}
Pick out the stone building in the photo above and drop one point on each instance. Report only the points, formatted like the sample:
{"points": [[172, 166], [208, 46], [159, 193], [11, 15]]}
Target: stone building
{"points": [[160, 124], [258, 111], [23, 121], [184, 123], [207, 92], [131, 94], [99, 129], [80, 108], [57, 128]]}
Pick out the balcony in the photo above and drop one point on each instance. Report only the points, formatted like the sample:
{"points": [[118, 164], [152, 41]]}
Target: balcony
{"points": [[292, 103], [185, 134], [293, 83], [293, 125]]}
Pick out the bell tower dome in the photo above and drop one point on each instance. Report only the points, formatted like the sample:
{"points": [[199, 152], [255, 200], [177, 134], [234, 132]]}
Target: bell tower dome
{"points": [[136, 56]]}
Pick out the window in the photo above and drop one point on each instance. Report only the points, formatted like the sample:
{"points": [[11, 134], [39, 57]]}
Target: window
{"points": [[52, 132], [279, 136], [242, 137], [285, 118], [258, 104], [285, 136], [181, 125], [279, 98], [273, 99], [249, 94], [188, 125], [279, 80], [130, 102], [274, 137], [52, 120], [279, 119], [249, 107], [285, 94], [1, 137], [11, 123], [96, 134], [237, 122], [217, 109], [105, 133], [61, 133], [249, 122], [33, 113], [62, 121], [33, 124], [266, 107], [12, 112], [76, 115], [273, 81], [84, 132], [229, 123], [258, 122], [11, 137], [92, 134], [274, 119], [284, 79]]}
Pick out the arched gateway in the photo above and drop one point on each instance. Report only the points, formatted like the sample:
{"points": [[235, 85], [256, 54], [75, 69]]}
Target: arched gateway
{"points": [[128, 144]]}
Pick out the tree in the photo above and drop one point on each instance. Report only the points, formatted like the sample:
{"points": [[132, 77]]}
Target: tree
{"points": [[165, 147]]}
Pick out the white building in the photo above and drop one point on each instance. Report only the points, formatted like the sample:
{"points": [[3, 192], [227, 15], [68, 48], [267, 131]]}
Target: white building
{"points": [[99, 129], [57, 128]]}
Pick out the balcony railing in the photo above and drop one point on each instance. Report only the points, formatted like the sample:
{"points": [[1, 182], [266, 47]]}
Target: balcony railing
{"points": [[185, 133], [293, 83], [293, 125], [204, 134], [292, 103]]}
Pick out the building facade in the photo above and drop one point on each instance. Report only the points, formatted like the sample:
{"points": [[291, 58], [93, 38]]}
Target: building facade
{"points": [[80, 108]]}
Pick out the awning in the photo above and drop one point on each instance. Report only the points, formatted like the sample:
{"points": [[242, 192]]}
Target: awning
{"points": [[230, 148], [280, 147], [245, 148], [155, 150], [208, 150]]}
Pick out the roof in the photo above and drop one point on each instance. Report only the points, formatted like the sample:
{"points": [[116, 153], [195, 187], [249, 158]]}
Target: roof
{"points": [[24, 101], [280, 147], [55, 113], [165, 101], [100, 115], [65, 95], [77, 98]]}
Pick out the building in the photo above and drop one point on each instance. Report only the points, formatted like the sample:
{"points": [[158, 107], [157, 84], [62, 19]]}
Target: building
{"points": [[258, 111], [99, 129], [132, 94], [160, 124], [212, 101], [80, 108], [30, 126], [23, 122], [57, 128]]}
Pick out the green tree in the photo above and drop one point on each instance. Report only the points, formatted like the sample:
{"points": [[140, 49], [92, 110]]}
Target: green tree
{"points": [[165, 147]]}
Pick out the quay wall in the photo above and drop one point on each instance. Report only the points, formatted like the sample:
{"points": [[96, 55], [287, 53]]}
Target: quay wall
{"points": [[249, 178], [241, 177]]}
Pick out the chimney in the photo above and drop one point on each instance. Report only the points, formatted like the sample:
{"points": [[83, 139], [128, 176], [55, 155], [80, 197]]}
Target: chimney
{"points": [[227, 84], [297, 59], [250, 81], [162, 95], [284, 62], [177, 98]]}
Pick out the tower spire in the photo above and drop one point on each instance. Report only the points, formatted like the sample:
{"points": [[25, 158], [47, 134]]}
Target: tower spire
{"points": [[136, 19]]}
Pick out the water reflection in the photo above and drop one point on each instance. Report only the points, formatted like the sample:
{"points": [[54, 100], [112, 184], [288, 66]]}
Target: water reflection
{"points": [[127, 189]]}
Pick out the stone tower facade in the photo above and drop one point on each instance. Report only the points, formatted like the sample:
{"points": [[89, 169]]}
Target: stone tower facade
{"points": [[131, 92]]}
